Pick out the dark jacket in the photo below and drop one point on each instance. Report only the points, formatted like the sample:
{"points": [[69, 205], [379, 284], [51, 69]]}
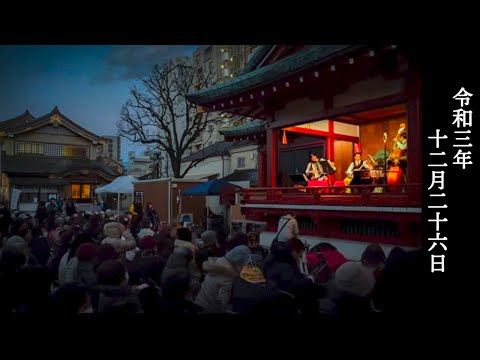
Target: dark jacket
{"points": [[351, 305], [282, 269], [117, 300], [143, 268], [260, 299], [40, 249]]}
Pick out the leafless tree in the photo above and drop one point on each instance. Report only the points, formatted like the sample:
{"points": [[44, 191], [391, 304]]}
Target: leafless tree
{"points": [[159, 114]]}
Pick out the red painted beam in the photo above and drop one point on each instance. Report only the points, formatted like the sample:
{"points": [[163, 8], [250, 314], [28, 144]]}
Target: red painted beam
{"points": [[326, 134], [272, 156]]}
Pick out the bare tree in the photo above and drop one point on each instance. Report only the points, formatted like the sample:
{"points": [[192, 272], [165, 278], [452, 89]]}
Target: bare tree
{"points": [[159, 114]]}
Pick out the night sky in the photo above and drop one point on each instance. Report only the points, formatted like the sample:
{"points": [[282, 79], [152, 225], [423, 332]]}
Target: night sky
{"points": [[89, 84]]}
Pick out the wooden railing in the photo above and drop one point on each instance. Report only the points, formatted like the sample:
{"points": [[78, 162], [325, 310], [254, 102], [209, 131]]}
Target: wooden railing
{"points": [[371, 195]]}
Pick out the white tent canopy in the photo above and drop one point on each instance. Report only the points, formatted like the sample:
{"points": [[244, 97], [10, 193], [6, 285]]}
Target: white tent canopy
{"points": [[121, 185]]}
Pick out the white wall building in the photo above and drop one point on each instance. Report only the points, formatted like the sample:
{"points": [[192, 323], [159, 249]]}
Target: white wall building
{"points": [[139, 165]]}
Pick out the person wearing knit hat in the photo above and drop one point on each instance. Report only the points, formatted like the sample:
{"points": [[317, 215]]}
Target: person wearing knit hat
{"points": [[354, 279], [146, 265], [105, 252], [85, 271], [354, 283], [147, 243], [86, 252], [214, 295]]}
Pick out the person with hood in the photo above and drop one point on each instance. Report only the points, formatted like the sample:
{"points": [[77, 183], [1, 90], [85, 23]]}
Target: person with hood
{"points": [[119, 237], [215, 293], [287, 228]]}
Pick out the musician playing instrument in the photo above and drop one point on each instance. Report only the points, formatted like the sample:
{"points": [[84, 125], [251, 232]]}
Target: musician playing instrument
{"points": [[315, 170], [358, 164]]}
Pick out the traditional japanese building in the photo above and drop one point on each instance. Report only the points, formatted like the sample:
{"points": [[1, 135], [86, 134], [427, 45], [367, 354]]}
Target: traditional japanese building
{"points": [[331, 100], [50, 156]]}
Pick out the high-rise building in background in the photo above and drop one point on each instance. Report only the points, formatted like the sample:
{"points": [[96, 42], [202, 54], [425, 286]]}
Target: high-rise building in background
{"points": [[112, 148]]}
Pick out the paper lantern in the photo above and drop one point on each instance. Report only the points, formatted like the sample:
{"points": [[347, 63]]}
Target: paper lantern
{"points": [[357, 148]]}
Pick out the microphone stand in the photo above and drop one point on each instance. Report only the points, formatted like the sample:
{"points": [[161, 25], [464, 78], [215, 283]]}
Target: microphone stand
{"points": [[385, 158]]}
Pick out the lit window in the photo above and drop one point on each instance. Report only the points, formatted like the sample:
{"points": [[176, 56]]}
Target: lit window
{"points": [[76, 191], [86, 191], [80, 191]]}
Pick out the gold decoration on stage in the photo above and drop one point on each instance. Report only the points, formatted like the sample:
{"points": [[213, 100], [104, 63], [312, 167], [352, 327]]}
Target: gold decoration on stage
{"points": [[284, 138]]}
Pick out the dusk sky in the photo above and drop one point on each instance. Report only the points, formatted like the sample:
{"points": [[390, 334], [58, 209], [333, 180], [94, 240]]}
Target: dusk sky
{"points": [[89, 84]]}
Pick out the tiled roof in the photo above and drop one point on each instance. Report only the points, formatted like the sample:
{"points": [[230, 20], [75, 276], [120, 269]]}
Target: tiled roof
{"points": [[252, 127], [297, 62], [25, 121], [218, 149], [51, 165]]}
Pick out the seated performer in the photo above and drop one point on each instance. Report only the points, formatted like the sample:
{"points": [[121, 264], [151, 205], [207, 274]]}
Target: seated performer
{"points": [[357, 164], [316, 171]]}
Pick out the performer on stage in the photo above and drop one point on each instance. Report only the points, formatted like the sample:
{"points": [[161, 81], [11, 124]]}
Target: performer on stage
{"points": [[358, 164], [315, 170]]}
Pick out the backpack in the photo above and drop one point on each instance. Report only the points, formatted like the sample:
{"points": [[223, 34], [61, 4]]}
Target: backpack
{"points": [[318, 267]]}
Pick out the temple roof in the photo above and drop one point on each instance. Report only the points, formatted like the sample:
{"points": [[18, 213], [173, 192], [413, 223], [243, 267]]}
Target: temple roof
{"points": [[252, 127], [52, 165], [219, 148], [252, 78], [27, 122]]}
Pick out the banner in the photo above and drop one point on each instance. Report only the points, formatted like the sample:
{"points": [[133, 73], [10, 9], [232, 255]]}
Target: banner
{"points": [[15, 197]]}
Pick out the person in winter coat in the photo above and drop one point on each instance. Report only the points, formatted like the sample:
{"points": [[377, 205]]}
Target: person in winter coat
{"points": [[60, 246], [69, 262], [215, 293], [85, 271], [151, 213], [252, 294], [147, 265], [354, 283], [287, 228], [114, 295], [119, 237], [145, 228], [282, 268], [39, 246]]}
